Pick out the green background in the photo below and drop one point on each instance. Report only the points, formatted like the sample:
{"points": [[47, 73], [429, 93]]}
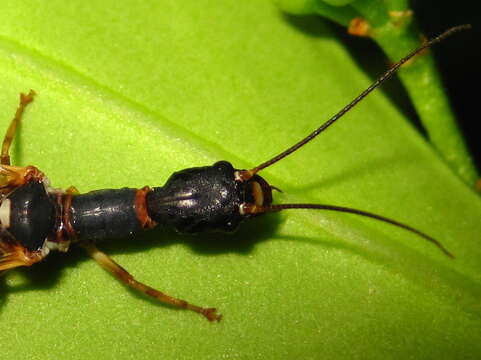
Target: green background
{"points": [[130, 91]]}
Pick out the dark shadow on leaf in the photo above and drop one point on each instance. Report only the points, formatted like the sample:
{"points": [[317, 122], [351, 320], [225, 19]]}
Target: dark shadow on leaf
{"points": [[42, 276], [3, 291], [310, 25], [350, 173], [46, 274]]}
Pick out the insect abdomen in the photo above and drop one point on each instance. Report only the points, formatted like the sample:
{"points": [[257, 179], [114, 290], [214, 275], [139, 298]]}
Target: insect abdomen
{"points": [[105, 214]]}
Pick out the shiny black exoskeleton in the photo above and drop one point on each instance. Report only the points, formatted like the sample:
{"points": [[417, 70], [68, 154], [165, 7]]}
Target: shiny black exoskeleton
{"points": [[197, 199], [104, 214], [193, 200], [204, 198], [32, 215]]}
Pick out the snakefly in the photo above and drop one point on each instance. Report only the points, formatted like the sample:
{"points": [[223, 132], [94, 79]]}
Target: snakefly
{"points": [[36, 218]]}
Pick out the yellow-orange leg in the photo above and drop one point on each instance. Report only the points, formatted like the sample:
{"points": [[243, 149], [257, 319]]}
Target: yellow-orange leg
{"points": [[13, 254], [72, 190], [25, 99], [15, 176], [123, 275]]}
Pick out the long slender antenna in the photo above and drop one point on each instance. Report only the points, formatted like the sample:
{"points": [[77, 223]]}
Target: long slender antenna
{"points": [[249, 173], [273, 208]]}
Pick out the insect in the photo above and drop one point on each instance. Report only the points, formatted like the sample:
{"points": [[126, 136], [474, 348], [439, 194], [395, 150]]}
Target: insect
{"points": [[36, 218]]}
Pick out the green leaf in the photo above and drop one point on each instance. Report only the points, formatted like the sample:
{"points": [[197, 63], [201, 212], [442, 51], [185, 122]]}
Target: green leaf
{"points": [[131, 91]]}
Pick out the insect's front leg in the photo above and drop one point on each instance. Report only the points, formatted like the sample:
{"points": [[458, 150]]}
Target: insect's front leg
{"points": [[25, 99], [13, 254], [124, 276], [12, 177]]}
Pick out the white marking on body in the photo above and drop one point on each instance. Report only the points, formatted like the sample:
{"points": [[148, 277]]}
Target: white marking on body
{"points": [[5, 213], [53, 245], [242, 210], [45, 249]]}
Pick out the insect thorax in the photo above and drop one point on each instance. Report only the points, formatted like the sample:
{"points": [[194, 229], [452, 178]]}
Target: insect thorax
{"points": [[28, 214]]}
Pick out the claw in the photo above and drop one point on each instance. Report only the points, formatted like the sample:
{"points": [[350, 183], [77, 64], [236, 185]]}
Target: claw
{"points": [[211, 314]]}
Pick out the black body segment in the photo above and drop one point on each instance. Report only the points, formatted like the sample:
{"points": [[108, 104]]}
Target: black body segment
{"points": [[104, 214], [32, 215], [198, 199]]}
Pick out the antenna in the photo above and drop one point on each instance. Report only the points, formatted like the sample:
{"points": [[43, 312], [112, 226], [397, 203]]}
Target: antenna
{"points": [[247, 174], [274, 208]]}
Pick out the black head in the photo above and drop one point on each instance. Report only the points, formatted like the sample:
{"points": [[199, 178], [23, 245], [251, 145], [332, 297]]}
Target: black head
{"points": [[208, 198]]}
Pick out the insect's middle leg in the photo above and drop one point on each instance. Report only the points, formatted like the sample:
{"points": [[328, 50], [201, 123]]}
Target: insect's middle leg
{"points": [[25, 99], [124, 276]]}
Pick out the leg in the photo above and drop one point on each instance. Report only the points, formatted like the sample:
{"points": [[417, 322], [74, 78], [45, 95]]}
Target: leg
{"points": [[120, 273], [7, 141], [72, 190], [13, 255], [14, 176]]}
